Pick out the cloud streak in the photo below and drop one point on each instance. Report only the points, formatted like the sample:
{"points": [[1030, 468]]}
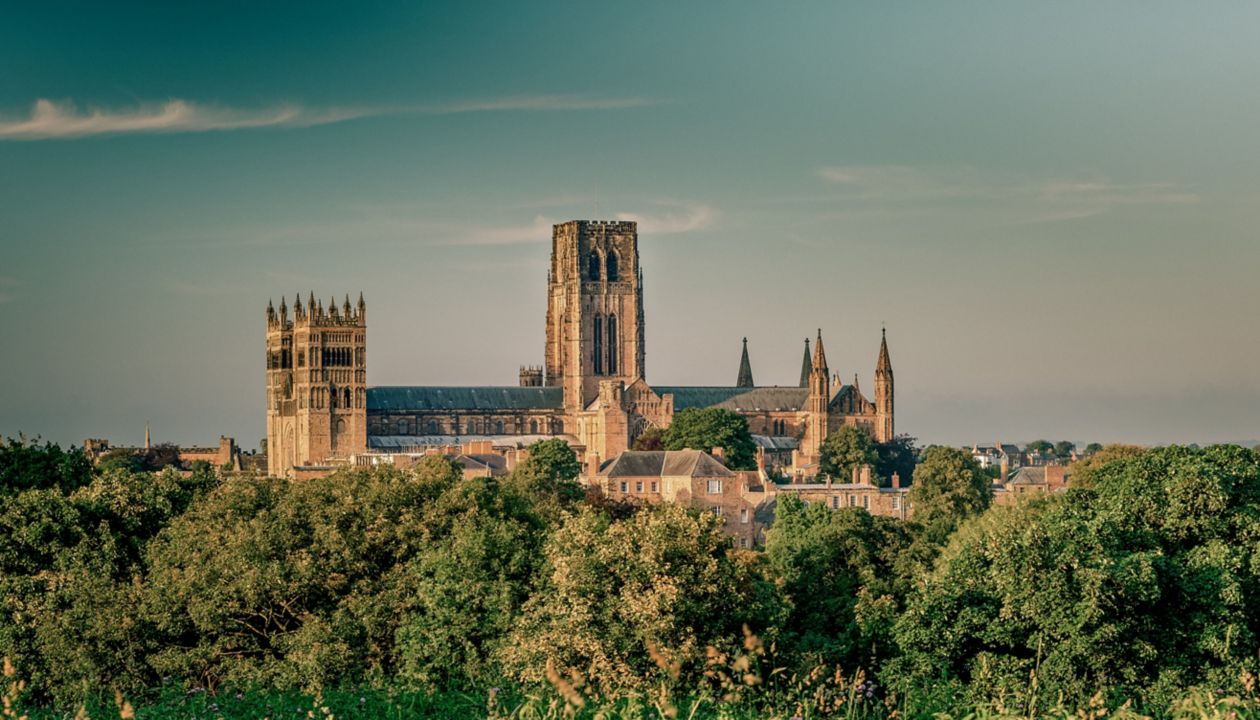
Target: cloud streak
{"points": [[52, 120], [1033, 200]]}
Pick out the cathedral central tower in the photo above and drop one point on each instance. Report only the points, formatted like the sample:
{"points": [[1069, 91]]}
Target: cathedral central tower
{"points": [[594, 308]]}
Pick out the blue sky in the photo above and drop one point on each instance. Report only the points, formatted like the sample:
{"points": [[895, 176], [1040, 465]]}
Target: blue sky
{"points": [[1052, 206]]}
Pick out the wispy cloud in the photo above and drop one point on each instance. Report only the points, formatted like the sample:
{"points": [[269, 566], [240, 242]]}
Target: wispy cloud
{"points": [[50, 120], [1031, 199], [538, 103], [679, 217]]}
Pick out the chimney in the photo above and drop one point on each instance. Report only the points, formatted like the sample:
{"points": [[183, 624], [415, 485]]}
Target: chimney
{"points": [[761, 459], [896, 481], [866, 475], [720, 453]]}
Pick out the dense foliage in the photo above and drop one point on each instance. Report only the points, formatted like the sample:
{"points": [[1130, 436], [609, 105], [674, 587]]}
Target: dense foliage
{"points": [[846, 450], [1142, 582], [708, 428]]}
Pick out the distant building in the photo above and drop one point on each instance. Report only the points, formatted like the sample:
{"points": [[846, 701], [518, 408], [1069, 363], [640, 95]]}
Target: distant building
{"points": [[591, 388], [225, 454]]}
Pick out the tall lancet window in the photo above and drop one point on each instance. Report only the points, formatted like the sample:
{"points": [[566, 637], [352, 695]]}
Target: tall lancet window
{"points": [[611, 273], [597, 358], [612, 344], [592, 267]]}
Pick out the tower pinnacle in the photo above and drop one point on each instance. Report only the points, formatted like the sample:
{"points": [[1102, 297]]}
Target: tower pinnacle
{"points": [[745, 378], [805, 366]]}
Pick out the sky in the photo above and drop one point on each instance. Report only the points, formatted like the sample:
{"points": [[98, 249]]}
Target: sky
{"points": [[1053, 208]]}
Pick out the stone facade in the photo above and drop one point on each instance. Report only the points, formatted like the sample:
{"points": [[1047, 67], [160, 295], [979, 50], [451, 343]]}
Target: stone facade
{"points": [[591, 388]]}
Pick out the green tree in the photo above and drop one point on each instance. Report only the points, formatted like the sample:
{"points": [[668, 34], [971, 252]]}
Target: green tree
{"points": [[554, 459], [25, 464], [896, 456], [707, 428], [665, 578], [948, 488], [1092, 448], [845, 449], [1144, 583], [652, 438], [827, 562], [1039, 447], [1063, 449]]}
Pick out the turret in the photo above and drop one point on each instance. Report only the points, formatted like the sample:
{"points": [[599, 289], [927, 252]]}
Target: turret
{"points": [[271, 311], [332, 308], [345, 309], [362, 307], [884, 427], [298, 312], [310, 305], [745, 377], [816, 404]]}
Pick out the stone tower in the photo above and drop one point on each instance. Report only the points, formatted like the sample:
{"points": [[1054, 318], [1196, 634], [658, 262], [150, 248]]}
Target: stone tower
{"points": [[316, 384], [594, 308], [883, 393], [816, 404]]}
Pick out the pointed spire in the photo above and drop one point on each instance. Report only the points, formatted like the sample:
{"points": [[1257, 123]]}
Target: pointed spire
{"points": [[345, 309], [146, 435], [805, 366], [745, 379], [310, 303], [297, 305], [855, 383], [319, 308], [271, 310], [820, 355], [884, 365]]}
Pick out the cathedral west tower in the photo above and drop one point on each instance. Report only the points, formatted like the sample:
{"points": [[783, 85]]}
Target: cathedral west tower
{"points": [[316, 384], [594, 309]]}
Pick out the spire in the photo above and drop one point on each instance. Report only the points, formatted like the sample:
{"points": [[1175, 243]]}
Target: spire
{"points": [[745, 379], [146, 435], [820, 355], [805, 366], [332, 305], [884, 365], [297, 305], [362, 305], [271, 310], [855, 384], [345, 309], [310, 303]]}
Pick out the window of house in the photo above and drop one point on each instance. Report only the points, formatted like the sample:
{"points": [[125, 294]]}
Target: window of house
{"points": [[852, 500], [638, 486], [835, 502], [715, 487], [498, 427], [896, 503], [433, 427], [653, 486], [717, 510], [533, 427], [625, 487], [743, 542], [402, 427], [866, 501], [743, 515]]}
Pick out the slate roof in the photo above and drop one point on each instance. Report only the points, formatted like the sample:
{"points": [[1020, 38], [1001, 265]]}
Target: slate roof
{"points": [[731, 398], [428, 398], [408, 443], [1028, 476], [655, 463], [776, 443]]}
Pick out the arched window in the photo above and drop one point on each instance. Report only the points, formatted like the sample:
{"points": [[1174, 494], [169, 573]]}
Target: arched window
{"points": [[612, 345], [498, 427], [611, 273], [592, 267], [433, 427], [332, 397], [346, 398], [341, 426], [402, 427], [533, 427], [597, 352]]}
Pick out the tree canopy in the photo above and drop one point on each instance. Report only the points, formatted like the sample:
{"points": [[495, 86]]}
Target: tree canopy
{"points": [[844, 450], [707, 428]]}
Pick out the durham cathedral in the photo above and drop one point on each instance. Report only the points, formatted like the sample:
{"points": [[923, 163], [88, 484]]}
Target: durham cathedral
{"points": [[592, 389]]}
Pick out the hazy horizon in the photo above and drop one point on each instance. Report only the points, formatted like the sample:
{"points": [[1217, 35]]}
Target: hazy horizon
{"points": [[1052, 208]]}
